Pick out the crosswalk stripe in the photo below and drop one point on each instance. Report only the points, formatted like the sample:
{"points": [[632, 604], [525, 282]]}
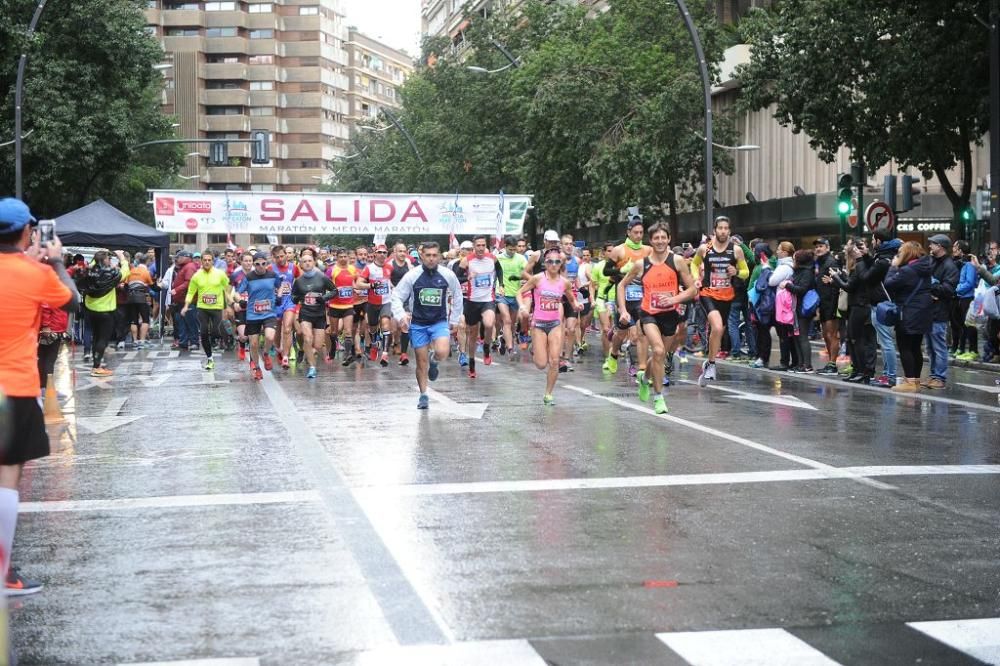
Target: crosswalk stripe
{"points": [[978, 638], [747, 647], [473, 653]]}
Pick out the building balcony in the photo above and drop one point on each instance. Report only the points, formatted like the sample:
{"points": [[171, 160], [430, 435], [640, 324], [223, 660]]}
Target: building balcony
{"points": [[307, 151], [308, 177], [225, 123], [227, 175], [306, 100], [301, 49], [299, 74], [264, 176], [263, 22], [263, 98], [182, 18], [152, 16], [181, 44], [225, 97], [263, 47], [225, 45], [225, 19], [227, 71], [265, 73], [307, 126], [269, 123], [303, 23]]}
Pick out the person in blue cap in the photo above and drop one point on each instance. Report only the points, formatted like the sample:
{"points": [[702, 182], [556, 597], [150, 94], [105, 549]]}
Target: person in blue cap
{"points": [[33, 276]]}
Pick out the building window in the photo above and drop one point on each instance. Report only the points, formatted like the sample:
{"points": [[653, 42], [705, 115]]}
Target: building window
{"points": [[261, 60], [262, 85], [261, 111], [223, 59], [181, 5], [262, 34], [220, 32], [263, 8], [308, 11], [222, 85], [224, 110], [182, 32], [220, 6], [217, 239], [221, 135]]}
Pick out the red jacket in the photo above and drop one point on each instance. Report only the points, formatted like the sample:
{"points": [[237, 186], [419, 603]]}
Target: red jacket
{"points": [[182, 277], [56, 320]]}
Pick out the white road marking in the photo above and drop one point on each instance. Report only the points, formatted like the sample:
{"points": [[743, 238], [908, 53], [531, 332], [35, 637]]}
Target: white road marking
{"points": [[473, 653], [977, 638], [807, 462], [170, 501], [108, 419], [748, 647], [980, 387], [786, 400], [463, 410], [237, 661]]}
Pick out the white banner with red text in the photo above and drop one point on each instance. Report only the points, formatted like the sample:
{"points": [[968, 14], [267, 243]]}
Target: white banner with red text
{"points": [[331, 213]]}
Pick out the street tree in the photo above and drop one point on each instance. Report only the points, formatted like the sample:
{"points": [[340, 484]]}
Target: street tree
{"points": [[890, 80]]}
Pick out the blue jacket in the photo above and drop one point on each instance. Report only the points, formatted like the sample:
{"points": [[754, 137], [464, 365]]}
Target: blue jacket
{"points": [[914, 279], [428, 292], [260, 291], [967, 280]]}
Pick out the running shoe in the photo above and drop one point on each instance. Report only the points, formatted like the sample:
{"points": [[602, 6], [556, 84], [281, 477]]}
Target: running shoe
{"points": [[722, 356], [311, 373], [404, 359], [563, 365], [828, 369], [254, 371], [348, 359], [643, 386], [463, 359], [610, 364], [548, 399], [19, 586], [502, 346], [241, 352], [584, 346], [384, 360], [432, 370], [488, 359], [707, 373], [268, 365], [423, 402], [373, 353], [666, 380], [101, 372], [757, 364], [472, 374], [279, 356], [284, 362], [87, 357], [633, 370], [210, 364], [659, 405]]}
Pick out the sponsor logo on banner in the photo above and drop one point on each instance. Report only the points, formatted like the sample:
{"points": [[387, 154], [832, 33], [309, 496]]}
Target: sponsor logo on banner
{"points": [[194, 206], [191, 223], [164, 205]]}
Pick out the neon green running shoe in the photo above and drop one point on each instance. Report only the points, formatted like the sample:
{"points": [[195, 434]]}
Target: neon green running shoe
{"points": [[548, 399], [610, 364], [643, 386], [659, 405]]}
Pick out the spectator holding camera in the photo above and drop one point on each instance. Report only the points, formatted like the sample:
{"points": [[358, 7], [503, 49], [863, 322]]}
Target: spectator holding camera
{"points": [[861, 333], [909, 285]]}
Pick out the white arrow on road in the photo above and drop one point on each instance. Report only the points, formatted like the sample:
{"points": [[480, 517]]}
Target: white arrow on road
{"points": [[980, 387], [462, 410], [784, 400], [108, 420]]}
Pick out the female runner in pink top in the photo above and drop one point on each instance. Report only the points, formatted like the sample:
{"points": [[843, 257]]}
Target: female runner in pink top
{"points": [[549, 288]]}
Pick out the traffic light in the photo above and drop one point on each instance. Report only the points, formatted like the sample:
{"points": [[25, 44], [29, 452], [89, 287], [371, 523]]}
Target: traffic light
{"points": [[218, 154], [911, 192], [982, 204], [260, 147], [845, 192], [889, 191], [968, 215]]}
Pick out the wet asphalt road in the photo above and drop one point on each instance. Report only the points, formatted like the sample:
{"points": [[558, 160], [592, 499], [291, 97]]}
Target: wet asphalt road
{"points": [[191, 515]]}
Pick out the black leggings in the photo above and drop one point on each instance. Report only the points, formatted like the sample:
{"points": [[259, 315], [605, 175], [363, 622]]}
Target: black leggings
{"points": [[789, 350], [963, 338], [764, 342], [210, 322], [910, 353], [862, 337], [47, 356], [103, 326]]}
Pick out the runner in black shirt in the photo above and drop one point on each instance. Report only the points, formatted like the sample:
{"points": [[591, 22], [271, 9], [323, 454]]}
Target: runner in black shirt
{"points": [[311, 290]]}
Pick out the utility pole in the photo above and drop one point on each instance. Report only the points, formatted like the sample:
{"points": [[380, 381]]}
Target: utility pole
{"points": [[18, 99], [995, 120]]}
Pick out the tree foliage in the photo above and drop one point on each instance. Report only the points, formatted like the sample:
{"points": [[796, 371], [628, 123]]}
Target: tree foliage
{"points": [[603, 112], [90, 94], [890, 79]]}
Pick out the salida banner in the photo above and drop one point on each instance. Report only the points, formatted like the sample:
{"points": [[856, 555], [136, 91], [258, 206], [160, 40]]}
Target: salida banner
{"points": [[327, 213]]}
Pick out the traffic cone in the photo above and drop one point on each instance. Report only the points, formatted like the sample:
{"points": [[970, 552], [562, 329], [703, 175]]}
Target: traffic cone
{"points": [[53, 413]]}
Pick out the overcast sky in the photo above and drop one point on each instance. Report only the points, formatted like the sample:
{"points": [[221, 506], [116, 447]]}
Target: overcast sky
{"points": [[394, 22]]}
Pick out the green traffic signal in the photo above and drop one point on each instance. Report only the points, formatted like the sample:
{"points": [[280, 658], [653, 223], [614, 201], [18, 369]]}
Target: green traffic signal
{"points": [[968, 215], [843, 207]]}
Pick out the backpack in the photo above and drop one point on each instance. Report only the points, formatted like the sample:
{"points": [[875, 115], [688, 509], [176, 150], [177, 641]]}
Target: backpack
{"points": [[98, 282], [764, 305], [784, 307], [809, 304], [991, 303]]}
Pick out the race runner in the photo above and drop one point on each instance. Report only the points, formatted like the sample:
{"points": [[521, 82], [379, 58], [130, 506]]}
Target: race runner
{"points": [[723, 260], [239, 302], [259, 292], [375, 278], [310, 291], [208, 286], [512, 265], [340, 309], [428, 289], [483, 272], [601, 291], [619, 263], [661, 274], [549, 289], [400, 267], [284, 309]]}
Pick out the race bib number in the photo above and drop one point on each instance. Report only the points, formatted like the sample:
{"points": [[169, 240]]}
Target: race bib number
{"points": [[465, 288], [431, 297], [633, 292], [381, 288], [209, 299], [345, 292], [484, 281], [285, 289], [310, 299], [260, 307], [362, 293], [550, 302], [660, 300], [719, 281]]}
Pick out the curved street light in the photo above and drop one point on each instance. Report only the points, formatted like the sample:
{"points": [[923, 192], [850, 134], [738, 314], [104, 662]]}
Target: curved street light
{"points": [[483, 70]]}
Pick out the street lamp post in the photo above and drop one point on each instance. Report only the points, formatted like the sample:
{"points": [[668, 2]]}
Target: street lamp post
{"points": [[707, 89], [18, 99]]}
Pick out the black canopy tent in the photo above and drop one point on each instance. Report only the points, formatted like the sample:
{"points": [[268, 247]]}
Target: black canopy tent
{"points": [[99, 224]]}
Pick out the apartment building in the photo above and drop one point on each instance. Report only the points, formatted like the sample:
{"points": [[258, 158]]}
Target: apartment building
{"points": [[237, 66], [375, 72]]}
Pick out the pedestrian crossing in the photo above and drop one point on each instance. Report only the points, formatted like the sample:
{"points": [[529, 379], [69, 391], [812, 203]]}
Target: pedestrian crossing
{"points": [[952, 642]]}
